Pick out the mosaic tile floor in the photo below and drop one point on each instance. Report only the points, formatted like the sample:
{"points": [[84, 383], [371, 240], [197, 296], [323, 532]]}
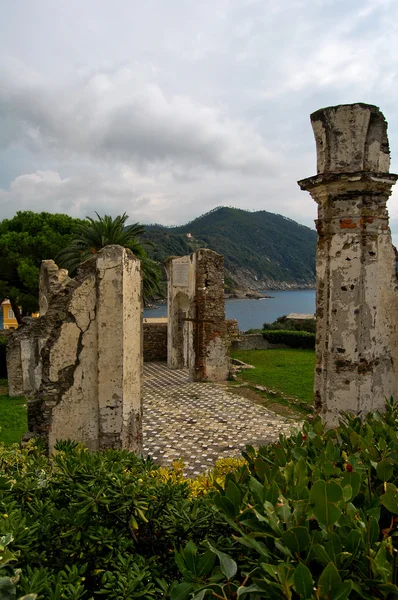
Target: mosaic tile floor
{"points": [[200, 422]]}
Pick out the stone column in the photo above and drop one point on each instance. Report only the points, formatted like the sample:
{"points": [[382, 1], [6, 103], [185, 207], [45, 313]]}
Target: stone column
{"points": [[120, 352], [197, 329], [210, 333], [180, 306], [357, 300]]}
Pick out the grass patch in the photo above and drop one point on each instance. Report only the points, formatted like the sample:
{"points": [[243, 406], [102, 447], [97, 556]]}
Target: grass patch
{"points": [[288, 372], [13, 419]]}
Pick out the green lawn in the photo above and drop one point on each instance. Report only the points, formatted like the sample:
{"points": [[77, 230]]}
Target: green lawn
{"points": [[290, 372], [13, 421]]}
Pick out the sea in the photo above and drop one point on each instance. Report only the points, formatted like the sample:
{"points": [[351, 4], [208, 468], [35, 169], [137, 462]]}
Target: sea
{"points": [[251, 314]]}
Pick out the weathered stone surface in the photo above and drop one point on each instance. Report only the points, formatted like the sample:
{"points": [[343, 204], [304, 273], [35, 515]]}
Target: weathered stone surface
{"points": [[198, 334], [86, 354], [253, 341], [23, 358], [51, 281], [350, 138], [155, 340], [357, 299]]}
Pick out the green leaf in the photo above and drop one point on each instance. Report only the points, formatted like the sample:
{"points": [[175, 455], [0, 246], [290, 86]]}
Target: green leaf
{"points": [[271, 570], [227, 564], [354, 480], [352, 542], [254, 588], [280, 456], [300, 473], [273, 493], [373, 530], [200, 595], [320, 553], [390, 499], [257, 489], [206, 563], [329, 580], [347, 493], [303, 581], [385, 470], [181, 591], [342, 591], [333, 547], [325, 495], [227, 506], [190, 551], [233, 494], [180, 562], [7, 589], [250, 542], [296, 539]]}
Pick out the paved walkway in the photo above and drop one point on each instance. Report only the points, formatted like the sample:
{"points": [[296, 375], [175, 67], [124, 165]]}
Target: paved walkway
{"points": [[200, 422]]}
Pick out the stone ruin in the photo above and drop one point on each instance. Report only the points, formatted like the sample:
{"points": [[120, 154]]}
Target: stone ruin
{"points": [[80, 363], [81, 360], [356, 290], [198, 333]]}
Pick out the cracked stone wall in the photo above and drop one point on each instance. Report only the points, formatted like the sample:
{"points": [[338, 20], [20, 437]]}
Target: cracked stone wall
{"points": [[357, 299], [89, 342], [196, 293]]}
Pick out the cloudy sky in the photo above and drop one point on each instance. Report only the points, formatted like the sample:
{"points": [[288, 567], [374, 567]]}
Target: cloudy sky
{"points": [[167, 109]]}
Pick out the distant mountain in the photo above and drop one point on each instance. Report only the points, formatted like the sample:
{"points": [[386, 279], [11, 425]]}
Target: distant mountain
{"points": [[261, 250]]}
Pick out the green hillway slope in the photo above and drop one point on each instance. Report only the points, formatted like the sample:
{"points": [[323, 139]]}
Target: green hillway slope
{"points": [[261, 249]]}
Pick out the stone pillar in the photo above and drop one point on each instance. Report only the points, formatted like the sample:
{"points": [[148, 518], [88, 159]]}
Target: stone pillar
{"points": [[357, 300], [197, 329], [120, 351], [210, 333], [180, 306]]}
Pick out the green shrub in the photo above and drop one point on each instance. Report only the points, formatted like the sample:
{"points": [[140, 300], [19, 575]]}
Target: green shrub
{"points": [[3, 354], [293, 339], [314, 517], [292, 324], [86, 524]]}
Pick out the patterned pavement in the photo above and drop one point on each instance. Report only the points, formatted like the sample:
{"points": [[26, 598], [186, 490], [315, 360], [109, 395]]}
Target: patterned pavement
{"points": [[200, 422]]}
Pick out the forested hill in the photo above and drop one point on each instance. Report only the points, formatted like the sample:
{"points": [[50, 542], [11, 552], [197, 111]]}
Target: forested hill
{"points": [[261, 249]]}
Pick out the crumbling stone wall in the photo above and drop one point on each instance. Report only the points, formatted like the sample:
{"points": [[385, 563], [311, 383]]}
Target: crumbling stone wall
{"points": [[253, 341], [90, 353], [25, 343], [357, 300], [198, 331], [23, 358], [155, 340]]}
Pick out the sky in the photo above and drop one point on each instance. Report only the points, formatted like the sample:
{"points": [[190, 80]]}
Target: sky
{"points": [[166, 110]]}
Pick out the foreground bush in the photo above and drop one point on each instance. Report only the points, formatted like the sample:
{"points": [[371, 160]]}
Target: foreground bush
{"points": [[315, 517], [293, 339], [311, 517]]}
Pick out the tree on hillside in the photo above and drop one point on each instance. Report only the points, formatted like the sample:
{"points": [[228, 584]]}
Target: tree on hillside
{"points": [[26, 240], [93, 234]]}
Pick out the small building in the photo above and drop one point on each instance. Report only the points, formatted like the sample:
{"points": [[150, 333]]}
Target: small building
{"points": [[299, 317], [7, 316]]}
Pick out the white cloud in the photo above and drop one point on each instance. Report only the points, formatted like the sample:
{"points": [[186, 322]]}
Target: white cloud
{"points": [[117, 118], [171, 109]]}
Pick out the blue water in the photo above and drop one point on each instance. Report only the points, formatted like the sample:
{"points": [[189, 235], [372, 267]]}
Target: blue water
{"points": [[251, 314]]}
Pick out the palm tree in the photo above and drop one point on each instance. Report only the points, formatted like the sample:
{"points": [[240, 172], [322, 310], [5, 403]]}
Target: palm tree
{"points": [[93, 234]]}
